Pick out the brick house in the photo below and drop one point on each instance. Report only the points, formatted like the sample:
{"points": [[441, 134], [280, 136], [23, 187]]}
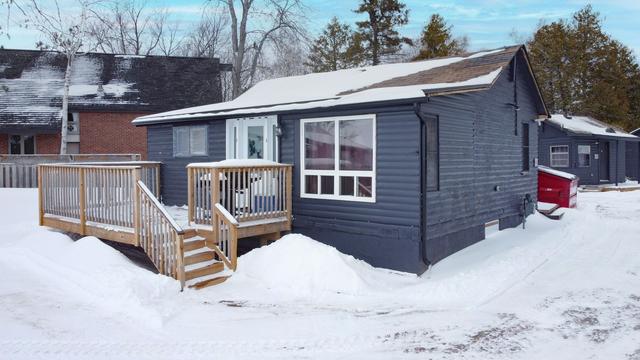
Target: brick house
{"points": [[107, 92]]}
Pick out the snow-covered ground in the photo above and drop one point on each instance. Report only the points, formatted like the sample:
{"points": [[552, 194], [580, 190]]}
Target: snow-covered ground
{"points": [[566, 289]]}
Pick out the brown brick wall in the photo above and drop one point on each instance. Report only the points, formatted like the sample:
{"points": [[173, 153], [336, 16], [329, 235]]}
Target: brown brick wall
{"points": [[112, 133], [4, 143], [48, 143]]}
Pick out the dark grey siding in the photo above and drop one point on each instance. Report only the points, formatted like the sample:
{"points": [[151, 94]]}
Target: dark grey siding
{"points": [[174, 172], [387, 232], [550, 135], [632, 159], [481, 176]]}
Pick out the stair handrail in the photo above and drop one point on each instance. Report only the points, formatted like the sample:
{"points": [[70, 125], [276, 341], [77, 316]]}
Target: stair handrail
{"points": [[227, 236], [158, 241]]}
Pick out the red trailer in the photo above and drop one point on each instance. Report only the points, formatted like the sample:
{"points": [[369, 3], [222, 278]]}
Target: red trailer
{"points": [[557, 187]]}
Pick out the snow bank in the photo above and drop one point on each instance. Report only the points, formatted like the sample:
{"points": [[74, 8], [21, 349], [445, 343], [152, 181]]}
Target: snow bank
{"points": [[304, 266]]}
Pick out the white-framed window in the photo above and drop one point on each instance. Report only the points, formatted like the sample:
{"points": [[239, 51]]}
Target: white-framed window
{"points": [[584, 155], [22, 144], [338, 158], [190, 141], [559, 156]]}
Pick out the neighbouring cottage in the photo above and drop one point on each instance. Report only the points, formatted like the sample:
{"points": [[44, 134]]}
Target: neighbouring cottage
{"points": [[107, 92], [598, 153], [400, 164]]}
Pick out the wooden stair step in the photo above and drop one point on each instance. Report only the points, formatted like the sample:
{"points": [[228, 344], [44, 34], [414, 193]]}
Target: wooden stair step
{"points": [[189, 233], [210, 282], [199, 257], [205, 270], [193, 245]]}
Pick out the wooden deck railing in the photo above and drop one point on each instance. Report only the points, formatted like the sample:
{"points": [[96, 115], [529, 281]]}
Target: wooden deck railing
{"points": [[159, 235], [248, 193], [227, 235]]}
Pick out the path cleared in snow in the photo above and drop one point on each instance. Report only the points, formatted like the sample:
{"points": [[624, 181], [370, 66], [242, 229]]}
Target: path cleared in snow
{"points": [[560, 289]]}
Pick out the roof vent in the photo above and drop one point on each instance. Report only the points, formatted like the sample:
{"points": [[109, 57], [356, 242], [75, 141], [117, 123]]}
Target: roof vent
{"points": [[100, 90], [610, 130], [567, 115]]}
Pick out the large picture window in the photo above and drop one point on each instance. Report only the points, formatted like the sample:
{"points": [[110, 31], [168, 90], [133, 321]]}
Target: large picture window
{"points": [[22, 144], [189, 141], [559, 156], [339, 158], [584, 155]]}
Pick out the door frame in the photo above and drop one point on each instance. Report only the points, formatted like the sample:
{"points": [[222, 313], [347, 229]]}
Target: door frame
{"points": [[236, 136]]}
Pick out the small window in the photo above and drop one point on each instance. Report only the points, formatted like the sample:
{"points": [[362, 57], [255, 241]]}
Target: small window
{"points": [[559, 156], [339, 158], [432, 156], [584, 155], [22, 144], [189, 141], [525, 147]]}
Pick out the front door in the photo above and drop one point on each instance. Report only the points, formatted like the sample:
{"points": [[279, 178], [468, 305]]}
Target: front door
{"points": [[252, 138], [603, 161]]}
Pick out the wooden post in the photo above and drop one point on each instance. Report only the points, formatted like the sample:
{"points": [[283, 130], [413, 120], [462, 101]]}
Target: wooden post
{"points": [[157, 168], [190, 194], [215, 198], [180, 260], [233, 250], [289, 195], [136, 206], [40, 201], [83, 203]]}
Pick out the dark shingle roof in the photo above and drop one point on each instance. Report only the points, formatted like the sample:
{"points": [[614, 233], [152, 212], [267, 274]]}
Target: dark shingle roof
{"points": [[31, 85]]}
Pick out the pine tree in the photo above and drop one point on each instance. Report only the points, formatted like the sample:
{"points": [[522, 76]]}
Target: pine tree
{"points": [[582, 70], [437, 40], [378, 32], [337, 48]]}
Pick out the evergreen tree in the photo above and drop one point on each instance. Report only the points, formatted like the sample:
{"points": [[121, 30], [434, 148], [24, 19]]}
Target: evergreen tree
{"points": [[378, 33], [437, 40], [582, 70], [337, 48]]}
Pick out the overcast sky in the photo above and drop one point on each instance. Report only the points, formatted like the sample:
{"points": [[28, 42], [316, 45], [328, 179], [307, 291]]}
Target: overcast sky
{"points": [[487, 23]]}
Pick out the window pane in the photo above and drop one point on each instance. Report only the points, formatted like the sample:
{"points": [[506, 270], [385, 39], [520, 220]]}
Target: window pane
{"points": [[29, 144], [311, 184], [255, 142], [181, 141], [346, 185], [14, 145], [198, 140], [525, 147], [364, 187], [356, 144], [326, 185], [560, 156], [319, 142], [274, 143]]}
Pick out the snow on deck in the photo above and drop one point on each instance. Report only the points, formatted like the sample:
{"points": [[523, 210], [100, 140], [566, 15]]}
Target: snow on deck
{"points": [[241, 163], [566, 289]]}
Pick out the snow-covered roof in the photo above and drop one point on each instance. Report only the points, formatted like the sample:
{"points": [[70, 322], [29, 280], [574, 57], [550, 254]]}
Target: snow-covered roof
{"points": [[636, 132], [585, 125], [31, 85], [558, 173], [356, 86]]}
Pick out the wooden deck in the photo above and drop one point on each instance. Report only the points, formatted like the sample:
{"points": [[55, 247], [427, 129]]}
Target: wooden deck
{"points": [[119, 203]]}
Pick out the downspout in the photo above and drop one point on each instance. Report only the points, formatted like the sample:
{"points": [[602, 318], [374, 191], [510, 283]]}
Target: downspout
{"points": [[617, 155], [423, 187]]}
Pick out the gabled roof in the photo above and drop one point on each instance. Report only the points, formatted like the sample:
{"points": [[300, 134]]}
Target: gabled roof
{"points": [[587, 126], [370, 84], [31, 85], [636, 132]]}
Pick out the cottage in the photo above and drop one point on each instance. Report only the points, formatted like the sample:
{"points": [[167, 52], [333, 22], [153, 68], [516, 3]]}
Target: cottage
{"points": [[107, 92], [399, 164], [594, 151]]}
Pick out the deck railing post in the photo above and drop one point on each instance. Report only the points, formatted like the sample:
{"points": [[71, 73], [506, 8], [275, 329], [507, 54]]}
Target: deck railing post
{"points": [[180, 260], [289, 193], [136, 206], [40, 200], [215, 197], [157, 171], [83, 202], [190, 194]]}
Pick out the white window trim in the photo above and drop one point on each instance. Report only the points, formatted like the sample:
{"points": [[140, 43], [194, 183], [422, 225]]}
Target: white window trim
{"points": [[579, 153], [336, 173], [190, 154], [551, 156]]}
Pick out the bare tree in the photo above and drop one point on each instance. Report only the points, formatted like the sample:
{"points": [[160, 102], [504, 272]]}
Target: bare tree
{"points": [[63, 33], [254, 25], [210, 37], [129, 27]]}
